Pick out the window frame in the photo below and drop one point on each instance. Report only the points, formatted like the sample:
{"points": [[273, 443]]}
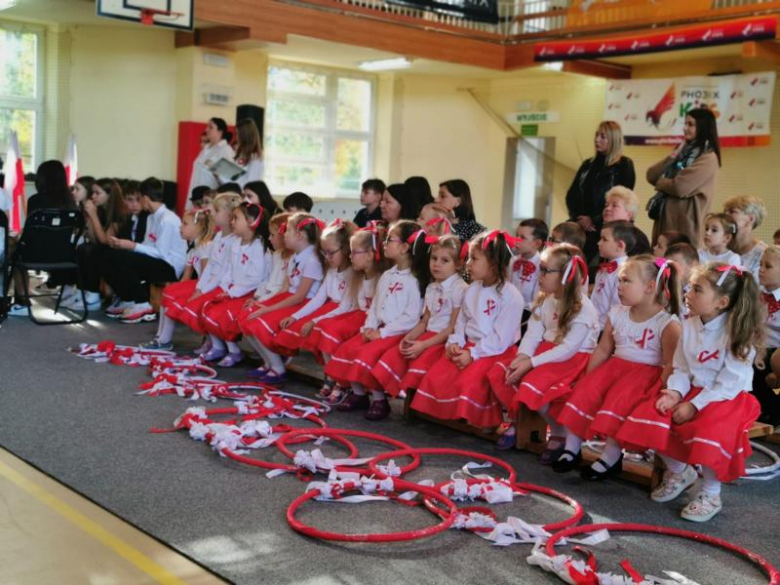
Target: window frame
{"points": [[35, 104], [330, 133]]}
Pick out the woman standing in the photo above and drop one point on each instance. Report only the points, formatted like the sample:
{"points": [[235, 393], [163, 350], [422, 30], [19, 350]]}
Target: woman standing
{"points": [[249, 153], [586, 197], [455, 195], [685, 180], [216, 148]]}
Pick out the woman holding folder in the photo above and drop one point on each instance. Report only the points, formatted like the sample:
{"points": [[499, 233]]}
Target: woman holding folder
{"points": [[216, 149]]}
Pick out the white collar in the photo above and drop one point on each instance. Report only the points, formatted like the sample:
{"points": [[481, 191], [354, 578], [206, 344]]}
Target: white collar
{"points": [[775, 293], [718, 322]]}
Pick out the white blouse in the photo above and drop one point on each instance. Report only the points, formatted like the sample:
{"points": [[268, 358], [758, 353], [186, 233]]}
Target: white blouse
{"points": [[639, 342], [604, 295], [211, 154], [334, 288], [248, 268], [728, 257], [305, 264], [441, 299], [397, 304], [703, 359], [525, 277], [488, 318], [219, 261], [276, 279]]}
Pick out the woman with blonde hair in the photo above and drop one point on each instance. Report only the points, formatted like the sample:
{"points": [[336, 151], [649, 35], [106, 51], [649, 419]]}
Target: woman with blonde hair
{"points": [[587, 195]]}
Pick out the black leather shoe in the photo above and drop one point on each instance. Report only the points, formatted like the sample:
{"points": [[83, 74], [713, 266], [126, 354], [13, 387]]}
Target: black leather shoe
{"points": [[591, 474], [561, 465]]}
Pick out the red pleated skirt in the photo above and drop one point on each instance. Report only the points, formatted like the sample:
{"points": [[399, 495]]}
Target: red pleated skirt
{"points": [[446, 392], [601, 400], [330, 334], [220, 318], [175, 295], [354, 361], [290, 340], [266, 327], [192, 312], [717, 436], [395, 373]]}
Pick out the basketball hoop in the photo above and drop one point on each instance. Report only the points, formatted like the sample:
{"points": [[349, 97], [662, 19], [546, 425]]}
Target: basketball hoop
{"points": [[149, 15]]}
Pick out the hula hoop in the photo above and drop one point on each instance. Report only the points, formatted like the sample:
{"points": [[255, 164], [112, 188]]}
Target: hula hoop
{"points": [[770, 570], [339, 433], [770, 471], [572, 520], [373, 465], [409, 535]]}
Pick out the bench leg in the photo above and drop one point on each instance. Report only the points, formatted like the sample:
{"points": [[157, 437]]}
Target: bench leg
{"points": [[531, 430], [658, 472]]}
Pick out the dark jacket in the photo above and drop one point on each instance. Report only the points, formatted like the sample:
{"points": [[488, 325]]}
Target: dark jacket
{"points": [[596, 178]]}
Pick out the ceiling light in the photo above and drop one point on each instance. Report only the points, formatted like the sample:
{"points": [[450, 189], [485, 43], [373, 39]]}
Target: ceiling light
{"points": [[6, 4], [553, 66], [384, 64]]}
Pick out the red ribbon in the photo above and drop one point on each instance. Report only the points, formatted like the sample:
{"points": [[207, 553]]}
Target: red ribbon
{"points": [[413, 238], [511, 241], [464, 251], [436, 221], [577, 260], [372, 229], [311, 220], [259, 215], [772, 304], [283, 228], [608, 267]]}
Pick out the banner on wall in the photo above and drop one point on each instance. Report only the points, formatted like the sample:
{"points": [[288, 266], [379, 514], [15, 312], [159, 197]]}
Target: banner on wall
{"points": [[652, 111]]}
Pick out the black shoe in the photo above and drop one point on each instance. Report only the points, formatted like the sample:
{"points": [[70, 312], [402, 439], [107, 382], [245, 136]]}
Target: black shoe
{"points": [[561, 465], [591, 474]]}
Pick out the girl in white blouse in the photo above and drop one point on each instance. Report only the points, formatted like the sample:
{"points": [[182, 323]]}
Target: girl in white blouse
{"points": [[706, 410]]}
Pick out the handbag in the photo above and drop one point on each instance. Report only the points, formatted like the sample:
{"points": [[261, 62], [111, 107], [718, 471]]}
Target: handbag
{"points": [[655, 206]]}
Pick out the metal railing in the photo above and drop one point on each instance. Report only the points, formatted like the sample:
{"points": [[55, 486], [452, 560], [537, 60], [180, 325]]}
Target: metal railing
{"points": [[517, 19]]}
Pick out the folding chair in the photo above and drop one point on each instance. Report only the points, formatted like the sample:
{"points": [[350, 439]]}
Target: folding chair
{"points": [[5, 274], [48, 244]]}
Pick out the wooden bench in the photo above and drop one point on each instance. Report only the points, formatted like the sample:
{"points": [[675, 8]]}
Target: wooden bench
{"points": [[463, 427], [155, 294]]}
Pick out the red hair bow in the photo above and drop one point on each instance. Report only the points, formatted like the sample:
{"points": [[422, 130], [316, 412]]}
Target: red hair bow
{"points": [[283, 228], [432, 239], [438, 221], [464, 251], [511, 241], [569, 272], [371, 227], [259, 215], [337, 223], [311, 220], [664, 273], [725, 272]]}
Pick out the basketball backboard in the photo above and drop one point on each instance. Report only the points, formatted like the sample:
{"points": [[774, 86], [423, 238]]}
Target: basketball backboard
{"points": [[176, 14]]}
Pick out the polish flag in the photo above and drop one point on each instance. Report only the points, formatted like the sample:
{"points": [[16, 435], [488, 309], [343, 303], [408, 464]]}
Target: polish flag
{"points": [[72, 161], [14, 183]]}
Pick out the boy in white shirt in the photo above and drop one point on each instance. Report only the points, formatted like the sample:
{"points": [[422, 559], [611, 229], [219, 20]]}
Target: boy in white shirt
{"points": [[129, 267], [617, 237]]}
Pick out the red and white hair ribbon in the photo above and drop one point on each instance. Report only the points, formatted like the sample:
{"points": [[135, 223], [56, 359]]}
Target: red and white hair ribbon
{"points": [[259, 215], [337, 223], [569, 271], [283, 228], [511, 241], [664, 273], [725, 272], [464, 251], [436, 221], [412, 240], [311, 220], [371, 227]]}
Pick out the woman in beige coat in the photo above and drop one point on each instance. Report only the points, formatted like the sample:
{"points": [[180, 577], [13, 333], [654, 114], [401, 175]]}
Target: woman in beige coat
{"points": [[687, 177]]}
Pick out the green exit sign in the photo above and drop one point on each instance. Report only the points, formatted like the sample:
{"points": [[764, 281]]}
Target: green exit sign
{"points": [[529, 130]]}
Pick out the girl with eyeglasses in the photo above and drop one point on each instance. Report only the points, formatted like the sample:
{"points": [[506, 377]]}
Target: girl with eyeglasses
{"points": [[332, 330], [262, 321], [395, 311], [561, 335], [334, 246], [486, 331]]}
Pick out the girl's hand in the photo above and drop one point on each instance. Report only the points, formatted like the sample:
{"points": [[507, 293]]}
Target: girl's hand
{"points": [[519, 367], [261, 311], [451, 350], [668, 400], [371, 334], [89, 207], [249, 303], [287, 321], [306, 329], [463, 359], [194, 296], [413, 350], [683, 412]]}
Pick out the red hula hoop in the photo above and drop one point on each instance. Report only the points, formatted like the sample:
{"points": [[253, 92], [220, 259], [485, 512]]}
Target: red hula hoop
{"points": [[373, 465], [770, 570]]}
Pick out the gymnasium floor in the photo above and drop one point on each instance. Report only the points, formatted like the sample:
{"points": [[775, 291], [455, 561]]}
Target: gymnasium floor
{"points": [[80, 423]]}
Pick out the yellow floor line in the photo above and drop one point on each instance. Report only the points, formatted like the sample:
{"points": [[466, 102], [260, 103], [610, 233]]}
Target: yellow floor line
{"points": [[123, 549]]}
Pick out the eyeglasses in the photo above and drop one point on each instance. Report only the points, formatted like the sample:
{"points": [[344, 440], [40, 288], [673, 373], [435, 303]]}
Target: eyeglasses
{"points": [[552, 240], [330, 253], [544, 270], [359, 252], [396, 240]]}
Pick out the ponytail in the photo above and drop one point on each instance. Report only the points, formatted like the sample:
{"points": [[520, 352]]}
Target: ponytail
{"points": [[413, 235], [497, 246]]}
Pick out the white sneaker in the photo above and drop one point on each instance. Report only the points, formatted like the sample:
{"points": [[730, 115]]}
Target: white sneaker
{"points": [[115, 311], [76, 304], [674, 484], [18, 310], [68, 292], [702, 507], [139, 313]]}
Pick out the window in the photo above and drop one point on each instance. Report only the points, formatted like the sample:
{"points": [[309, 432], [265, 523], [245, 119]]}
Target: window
{"points": [[21, 91], [320, 129]]}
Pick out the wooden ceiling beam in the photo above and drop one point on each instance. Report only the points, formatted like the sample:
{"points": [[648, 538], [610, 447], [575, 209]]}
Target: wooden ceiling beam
{"points": [[598, 69]]}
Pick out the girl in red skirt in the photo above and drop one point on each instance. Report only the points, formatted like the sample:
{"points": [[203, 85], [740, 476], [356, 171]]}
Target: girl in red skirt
{"points": [[395, 311], [304, 274], [332, 330], [402, 367], [183, 301], [249, 266], [335, 249], [197, 228], [562, 333], [486, 331], [632, 363], [705, 411]]}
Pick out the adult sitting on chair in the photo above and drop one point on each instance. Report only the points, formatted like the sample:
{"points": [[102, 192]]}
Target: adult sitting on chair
{"points": [[128, 268]]}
